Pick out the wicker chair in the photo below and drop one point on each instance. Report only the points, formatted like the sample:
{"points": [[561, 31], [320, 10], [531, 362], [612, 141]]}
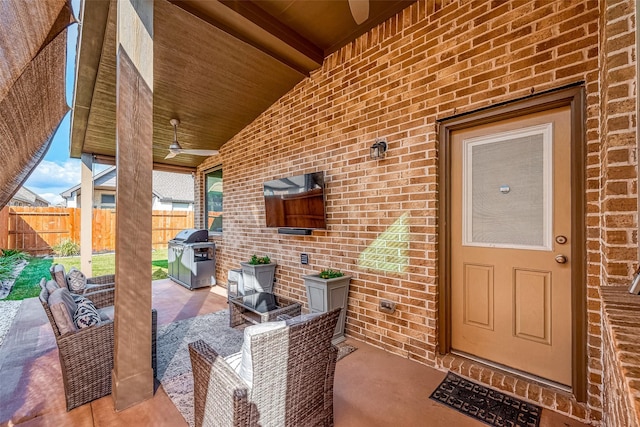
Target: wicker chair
{"points": [[293, 371], [94, 284], [86, 356]]}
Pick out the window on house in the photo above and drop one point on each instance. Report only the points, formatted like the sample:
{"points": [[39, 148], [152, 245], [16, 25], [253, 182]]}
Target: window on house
{"points": [[107, 201], [213, 200]]}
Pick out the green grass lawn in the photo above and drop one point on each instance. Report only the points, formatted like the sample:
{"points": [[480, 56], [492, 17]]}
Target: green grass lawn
{"points": [[27, 284]]}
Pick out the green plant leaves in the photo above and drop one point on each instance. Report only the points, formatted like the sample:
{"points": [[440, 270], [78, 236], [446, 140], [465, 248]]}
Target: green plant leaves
{"points": [[330, 274], [256, 260]]}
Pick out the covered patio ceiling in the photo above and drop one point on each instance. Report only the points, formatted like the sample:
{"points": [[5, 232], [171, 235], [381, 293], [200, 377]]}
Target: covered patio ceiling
{"points": [[217, 66]]}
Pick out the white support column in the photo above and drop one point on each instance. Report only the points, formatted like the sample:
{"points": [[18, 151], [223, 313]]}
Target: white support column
{"points": [[86, 213], [132, 373]]}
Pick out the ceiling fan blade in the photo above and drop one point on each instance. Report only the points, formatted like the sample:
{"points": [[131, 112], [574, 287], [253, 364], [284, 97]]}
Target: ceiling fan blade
{"points": [[199, 152], [175, 148], [359, 10]]}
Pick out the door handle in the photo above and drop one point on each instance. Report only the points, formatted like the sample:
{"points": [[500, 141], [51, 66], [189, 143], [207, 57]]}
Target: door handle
{"points": [[561, 259]]}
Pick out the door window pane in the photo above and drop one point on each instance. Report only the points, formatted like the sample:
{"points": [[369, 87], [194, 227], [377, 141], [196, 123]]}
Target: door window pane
{"points": [[507, 189]]}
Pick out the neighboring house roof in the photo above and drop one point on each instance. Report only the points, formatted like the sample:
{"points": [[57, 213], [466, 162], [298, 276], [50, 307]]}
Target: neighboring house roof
{"points": [[27, 196], [98, 180], [176, 187], [167, 186]]}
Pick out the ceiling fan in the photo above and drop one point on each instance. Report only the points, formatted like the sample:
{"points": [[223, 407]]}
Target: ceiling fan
{"points": [[175, 148], [359, 10]]}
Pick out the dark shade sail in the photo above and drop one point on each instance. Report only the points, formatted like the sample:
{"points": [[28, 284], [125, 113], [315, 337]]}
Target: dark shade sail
{"points": [[33, 43]]}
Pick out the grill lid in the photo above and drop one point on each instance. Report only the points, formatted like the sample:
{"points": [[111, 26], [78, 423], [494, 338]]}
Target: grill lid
{"points": [[191, 235]]}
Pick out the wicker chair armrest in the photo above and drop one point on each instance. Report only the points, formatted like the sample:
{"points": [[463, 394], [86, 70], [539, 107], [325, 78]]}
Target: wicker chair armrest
{"points": [[103, 298], [291, 310], [102, 280], [88, 340], [220, 395], [94, 287]]}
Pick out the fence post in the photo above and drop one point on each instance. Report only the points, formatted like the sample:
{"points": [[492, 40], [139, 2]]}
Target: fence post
{"points": [[4, 227]]}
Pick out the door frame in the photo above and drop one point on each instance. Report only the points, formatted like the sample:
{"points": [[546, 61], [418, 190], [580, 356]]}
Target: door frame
{"points": [[574, 97]]}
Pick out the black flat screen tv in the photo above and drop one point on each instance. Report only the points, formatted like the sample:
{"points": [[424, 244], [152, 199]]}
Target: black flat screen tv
{"points": [[295, 203]]}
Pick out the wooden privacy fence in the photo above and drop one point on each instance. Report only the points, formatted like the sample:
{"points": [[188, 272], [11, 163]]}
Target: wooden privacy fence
{"points": [[37, 230]]}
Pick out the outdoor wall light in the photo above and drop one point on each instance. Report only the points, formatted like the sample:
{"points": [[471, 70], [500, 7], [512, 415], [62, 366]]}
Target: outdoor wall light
{"points": [[379, 149]]}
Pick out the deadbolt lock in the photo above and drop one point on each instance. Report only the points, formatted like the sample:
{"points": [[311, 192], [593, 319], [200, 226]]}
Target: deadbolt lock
{"points": [[561, 259], [561, 240]]}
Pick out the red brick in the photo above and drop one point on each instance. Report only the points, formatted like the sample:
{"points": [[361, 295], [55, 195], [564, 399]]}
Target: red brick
{"points": [[618, 156]]}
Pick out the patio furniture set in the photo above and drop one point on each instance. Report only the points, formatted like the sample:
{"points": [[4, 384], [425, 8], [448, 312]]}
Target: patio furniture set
{"points": [[283, 374], [81, 317]]}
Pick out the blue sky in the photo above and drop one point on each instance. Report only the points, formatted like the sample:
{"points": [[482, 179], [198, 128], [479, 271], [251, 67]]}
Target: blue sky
{"points": [[57, 172]]}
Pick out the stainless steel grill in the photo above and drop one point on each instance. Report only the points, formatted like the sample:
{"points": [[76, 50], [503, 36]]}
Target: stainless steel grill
{"points": [[192, 259]]}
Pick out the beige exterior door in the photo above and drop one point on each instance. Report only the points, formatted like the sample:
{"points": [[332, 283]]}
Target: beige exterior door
{"points": [[510, 243]]}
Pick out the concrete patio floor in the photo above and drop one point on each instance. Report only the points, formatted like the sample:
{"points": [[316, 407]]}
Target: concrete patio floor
{"points": [[372, 387]]}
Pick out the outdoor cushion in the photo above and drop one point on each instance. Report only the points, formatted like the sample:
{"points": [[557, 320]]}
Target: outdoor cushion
{"points": [[86, 314], [106, 313], [234, 361], [246, 365], [76, 281], [62, 309], [51, 286], [58, 274]]}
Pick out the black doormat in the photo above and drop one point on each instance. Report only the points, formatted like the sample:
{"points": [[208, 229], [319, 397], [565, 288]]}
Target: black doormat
{"points": [[484, 404]]}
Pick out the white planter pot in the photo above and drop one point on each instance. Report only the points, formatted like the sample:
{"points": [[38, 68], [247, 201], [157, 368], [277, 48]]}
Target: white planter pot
{"points": [[258, 277], [325, 295]]}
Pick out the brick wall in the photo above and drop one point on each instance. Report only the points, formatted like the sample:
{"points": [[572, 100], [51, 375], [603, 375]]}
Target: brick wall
{"points": [[618, 149], [621, 357], [433, 60], [617, 208]]}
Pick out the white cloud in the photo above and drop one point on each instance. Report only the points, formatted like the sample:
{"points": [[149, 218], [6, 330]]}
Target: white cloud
{"points": [[50, 179], [54, 175]]}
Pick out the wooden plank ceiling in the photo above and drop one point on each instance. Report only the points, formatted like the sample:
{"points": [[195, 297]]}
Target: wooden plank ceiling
{"points": [[217, 66]]}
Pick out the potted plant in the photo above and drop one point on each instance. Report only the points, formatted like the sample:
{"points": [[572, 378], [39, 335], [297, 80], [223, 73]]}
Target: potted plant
{"points": [[328, 290], [258, 273]]}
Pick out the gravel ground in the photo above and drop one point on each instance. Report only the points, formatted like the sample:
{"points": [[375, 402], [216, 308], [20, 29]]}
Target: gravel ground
{"points": [[8, 311], [5, 287]]}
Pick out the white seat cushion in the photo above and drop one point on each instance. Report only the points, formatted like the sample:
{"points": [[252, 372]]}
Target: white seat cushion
{"points": [[246, 365], [234, 361]]}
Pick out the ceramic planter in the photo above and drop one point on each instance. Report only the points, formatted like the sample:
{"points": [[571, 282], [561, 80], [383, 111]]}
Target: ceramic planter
{"points": [[258, 277], [327, 294]]}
